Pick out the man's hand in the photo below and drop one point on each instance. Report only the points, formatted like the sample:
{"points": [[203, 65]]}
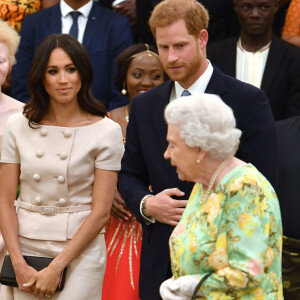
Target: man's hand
{"points": [[164, 208], [119, 209], [127, 9]]}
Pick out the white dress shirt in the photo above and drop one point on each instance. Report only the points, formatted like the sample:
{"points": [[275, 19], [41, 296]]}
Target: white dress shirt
{"points": [[199, 86], [250, 66], [67, 20]]}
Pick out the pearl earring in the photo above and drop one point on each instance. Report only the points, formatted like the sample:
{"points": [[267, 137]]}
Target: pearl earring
{"points": [[124, 92], [198, 161]]}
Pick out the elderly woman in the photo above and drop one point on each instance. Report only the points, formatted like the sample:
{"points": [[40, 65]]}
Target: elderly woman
{"points": [[229, 237], [9, 42]]}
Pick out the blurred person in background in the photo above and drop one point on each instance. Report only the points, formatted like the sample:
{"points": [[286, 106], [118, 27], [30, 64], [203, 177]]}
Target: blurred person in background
{"points": [[138, 70]]}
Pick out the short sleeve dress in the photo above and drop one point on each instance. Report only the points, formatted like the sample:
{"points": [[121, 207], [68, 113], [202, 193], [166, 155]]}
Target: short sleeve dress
{"points": [[56, 181], [236, 235]]}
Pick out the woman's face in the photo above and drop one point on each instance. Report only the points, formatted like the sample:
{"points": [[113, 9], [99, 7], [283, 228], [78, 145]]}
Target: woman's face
{"points": [[181, 155], [144, 73], [62, 80], [4, 64]]}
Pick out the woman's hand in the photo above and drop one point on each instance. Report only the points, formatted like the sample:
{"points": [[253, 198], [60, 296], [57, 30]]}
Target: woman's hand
{"points": [[119, 209], [44, 282], [23, 274]]}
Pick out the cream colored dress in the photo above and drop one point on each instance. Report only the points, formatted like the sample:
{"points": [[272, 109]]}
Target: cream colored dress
{"points": [[57, 173]]}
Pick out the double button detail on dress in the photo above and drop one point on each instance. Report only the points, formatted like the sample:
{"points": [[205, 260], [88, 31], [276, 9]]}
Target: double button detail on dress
{"points": [[55, 159]]}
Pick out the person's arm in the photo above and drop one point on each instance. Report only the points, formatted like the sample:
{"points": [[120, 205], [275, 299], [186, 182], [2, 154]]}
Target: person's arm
{"points": [[134, 182], [10, 173], [103, 190], [9, 223], [119, 115], [127, 9]]}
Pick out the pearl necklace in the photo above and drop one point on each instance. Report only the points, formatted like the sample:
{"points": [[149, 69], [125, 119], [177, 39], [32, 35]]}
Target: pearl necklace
{"points": [[213, 178]]}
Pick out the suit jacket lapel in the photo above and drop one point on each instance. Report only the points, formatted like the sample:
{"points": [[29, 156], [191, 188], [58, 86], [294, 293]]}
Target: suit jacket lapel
{"points": [[90, 26], [55, 25], [216, 84], [162, 99], [272, 64]]}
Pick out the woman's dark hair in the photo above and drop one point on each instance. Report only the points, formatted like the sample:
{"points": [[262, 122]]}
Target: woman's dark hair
{"points": [[37, 106], [125, 58]]}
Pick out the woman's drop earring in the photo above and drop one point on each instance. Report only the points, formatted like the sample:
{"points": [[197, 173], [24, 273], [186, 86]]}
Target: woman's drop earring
{"points": [[124, 91]]}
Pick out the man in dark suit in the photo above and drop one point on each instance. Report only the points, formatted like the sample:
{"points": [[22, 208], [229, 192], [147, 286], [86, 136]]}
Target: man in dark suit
{"points": [[103, 33], [180, 30], [260, 58]]}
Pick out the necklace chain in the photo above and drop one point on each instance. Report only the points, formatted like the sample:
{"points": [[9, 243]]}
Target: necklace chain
{"points": [[213, 178]]}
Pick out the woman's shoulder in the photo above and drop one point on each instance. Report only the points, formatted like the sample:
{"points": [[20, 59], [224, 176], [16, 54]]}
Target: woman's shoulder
{"points": [[106, 125], [246, 177], [11, 103], [16, 119]]}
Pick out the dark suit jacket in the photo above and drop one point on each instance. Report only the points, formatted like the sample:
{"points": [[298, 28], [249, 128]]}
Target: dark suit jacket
{"points": [[223, 21], [106, 35], [143, 163], [281, 78], [288, 139]]}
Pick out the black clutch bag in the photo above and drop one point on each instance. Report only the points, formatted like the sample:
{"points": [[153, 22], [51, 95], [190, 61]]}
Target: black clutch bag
{"points": [[8, 276]]}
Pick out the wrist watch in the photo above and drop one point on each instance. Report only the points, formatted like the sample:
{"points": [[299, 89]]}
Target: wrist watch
{"points": [[144, 205]]}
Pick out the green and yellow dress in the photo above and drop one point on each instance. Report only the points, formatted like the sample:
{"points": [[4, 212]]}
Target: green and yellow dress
{"points": [[236, 235]]}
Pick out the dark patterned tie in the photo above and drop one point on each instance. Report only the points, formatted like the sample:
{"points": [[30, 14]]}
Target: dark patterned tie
{"points": [[74, 28], [185, 93]]}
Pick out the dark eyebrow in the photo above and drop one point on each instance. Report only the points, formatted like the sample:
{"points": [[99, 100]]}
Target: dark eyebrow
{"points": [[65, 66]]}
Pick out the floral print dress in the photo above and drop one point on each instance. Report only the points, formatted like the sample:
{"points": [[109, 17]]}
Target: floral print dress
{"points": [[236, 235]]}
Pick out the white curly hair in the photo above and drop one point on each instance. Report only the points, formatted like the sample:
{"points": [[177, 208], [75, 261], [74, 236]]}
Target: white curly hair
{"points": [[11, 39], [205, 121]]}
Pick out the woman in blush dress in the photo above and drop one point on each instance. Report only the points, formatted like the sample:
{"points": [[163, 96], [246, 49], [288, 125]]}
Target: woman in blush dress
{"points": [[138, 70], [66, 154], [9, 41]]}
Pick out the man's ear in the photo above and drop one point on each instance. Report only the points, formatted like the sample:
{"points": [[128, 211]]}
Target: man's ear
{"points": [[203, 38]]}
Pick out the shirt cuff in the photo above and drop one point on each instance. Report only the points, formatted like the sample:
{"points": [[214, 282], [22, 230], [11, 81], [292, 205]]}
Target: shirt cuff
{"points": [[148, 220]]}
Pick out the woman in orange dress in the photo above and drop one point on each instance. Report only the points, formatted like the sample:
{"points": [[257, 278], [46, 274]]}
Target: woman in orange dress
{"points": [[291, 29], [138, 70]]}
